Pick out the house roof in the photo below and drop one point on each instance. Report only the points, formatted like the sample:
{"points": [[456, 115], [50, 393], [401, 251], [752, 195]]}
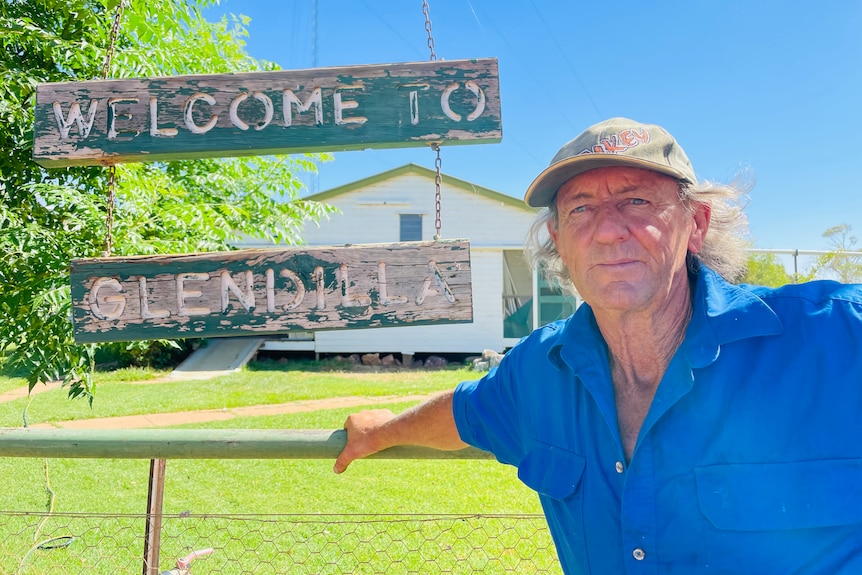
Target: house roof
{"points": [[421, 171]]}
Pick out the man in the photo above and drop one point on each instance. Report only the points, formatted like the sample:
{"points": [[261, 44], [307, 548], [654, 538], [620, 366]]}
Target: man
{"points": [[675, 423]]}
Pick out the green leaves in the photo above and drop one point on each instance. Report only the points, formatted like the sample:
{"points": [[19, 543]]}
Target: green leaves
{"points": [[842, 263], [838, 263], [37, 241], [765, 269], [48, 218], [210, 205]]}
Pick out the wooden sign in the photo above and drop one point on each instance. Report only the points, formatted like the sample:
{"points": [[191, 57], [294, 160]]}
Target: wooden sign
{"points": [[285, 111], [260, 291]]}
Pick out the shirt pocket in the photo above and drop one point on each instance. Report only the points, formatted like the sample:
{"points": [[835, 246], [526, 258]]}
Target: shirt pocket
{"points": [[552, 471], [781, 496]]}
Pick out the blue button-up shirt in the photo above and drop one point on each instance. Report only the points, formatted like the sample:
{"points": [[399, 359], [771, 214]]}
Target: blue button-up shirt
{"points": [[749, 460]]}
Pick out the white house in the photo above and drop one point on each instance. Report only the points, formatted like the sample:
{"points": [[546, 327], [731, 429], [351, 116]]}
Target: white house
{"points": [[399, 205]]}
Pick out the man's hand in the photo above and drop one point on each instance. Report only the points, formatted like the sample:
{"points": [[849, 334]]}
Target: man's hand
{"points": [[361, 439], [429, 424]]}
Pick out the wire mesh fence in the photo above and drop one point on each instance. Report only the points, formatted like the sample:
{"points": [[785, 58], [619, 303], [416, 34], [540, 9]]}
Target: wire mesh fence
{"points": [[78, 543], [247, 478]]}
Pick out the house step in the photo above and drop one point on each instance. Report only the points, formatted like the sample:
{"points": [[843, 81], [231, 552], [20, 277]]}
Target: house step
{"points": [[220, 356]]}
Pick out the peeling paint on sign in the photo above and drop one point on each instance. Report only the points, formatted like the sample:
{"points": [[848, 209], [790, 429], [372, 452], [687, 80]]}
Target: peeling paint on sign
{"points": [[259, 113]]}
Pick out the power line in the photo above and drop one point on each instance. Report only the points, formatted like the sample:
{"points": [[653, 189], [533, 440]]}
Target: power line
{"points": [[314, 33], [537, 81], [567, 61], [394, 30]]}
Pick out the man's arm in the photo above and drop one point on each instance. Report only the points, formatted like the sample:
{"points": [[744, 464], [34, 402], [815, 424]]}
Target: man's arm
{"points": [[429, 424]]}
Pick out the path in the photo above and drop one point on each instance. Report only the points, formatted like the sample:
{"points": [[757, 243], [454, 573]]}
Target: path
{"points": [[204, 415], [22, 392]]}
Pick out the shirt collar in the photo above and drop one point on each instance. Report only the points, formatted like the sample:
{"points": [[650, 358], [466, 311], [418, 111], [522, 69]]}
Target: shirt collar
{"points": [[722, 313]]}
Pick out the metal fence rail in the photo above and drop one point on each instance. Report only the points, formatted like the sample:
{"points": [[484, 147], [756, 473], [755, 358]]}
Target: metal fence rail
{"points": [[198, 444]]}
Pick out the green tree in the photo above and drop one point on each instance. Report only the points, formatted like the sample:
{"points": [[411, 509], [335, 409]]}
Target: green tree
{"points": [[48, 217], [765, 269], [840, 263]]}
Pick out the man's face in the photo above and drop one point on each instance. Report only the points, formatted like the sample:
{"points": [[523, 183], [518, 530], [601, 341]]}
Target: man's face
{"points": [[623, 233]]}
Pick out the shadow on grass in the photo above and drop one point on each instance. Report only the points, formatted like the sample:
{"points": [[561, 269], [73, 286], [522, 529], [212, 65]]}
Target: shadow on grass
{"points": [[338, 364], [8, 370], [299, 365]]}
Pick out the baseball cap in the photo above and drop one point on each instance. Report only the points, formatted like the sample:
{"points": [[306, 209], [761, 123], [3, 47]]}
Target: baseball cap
{"points": [[614, 142]]}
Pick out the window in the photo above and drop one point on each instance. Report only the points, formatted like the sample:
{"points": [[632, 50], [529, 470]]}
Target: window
{"points": [[554, 303], [411, 227]]}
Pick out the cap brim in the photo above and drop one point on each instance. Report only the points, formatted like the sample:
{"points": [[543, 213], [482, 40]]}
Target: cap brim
{"points": [[543, 189]]}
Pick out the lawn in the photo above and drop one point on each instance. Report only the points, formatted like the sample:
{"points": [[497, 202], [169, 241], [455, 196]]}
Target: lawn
{"points": [[259, 384], [267, 516]]}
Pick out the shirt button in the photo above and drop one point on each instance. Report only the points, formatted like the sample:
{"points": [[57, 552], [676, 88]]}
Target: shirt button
{"points": [[638, 554], [619, 467]]}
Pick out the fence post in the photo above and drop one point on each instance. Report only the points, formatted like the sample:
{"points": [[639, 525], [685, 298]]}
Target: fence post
{"points": [[155, 499]]}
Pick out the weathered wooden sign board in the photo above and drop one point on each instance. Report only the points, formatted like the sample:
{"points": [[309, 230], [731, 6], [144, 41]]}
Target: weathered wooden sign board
{"points": [[261, 291], [285, 111]]}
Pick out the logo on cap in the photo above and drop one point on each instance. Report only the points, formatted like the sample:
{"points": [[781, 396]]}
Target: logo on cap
{"points": [[616, 143]]}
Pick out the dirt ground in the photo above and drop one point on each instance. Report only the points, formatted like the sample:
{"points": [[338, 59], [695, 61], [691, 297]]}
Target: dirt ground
{"points": [[202, 416]]}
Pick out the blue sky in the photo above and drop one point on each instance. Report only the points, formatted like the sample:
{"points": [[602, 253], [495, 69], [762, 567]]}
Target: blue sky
{"points": [[771, 87]]}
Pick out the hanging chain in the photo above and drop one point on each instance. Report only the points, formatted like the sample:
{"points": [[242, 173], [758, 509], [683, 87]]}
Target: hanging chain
{"points": [[112, 38], [438, 181], [428, 29], [438, 163], [109, 216], [112, 168]]}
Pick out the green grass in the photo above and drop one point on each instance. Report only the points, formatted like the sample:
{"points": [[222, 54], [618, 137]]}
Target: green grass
{"points": [[9, 378], [10, 383], [247, 486], [384, 516], [267, 516], [200, 484], [253, 386], [304, 544], [13, 379]]}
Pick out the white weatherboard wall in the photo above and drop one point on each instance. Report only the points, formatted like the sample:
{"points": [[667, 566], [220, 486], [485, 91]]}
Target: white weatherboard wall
{"points": [[370, 213]]}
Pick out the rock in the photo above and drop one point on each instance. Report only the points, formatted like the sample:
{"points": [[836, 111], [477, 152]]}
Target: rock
{"points": [[371, 359], [492, 357], [481, 365], [489, 359], [435, 361]]}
